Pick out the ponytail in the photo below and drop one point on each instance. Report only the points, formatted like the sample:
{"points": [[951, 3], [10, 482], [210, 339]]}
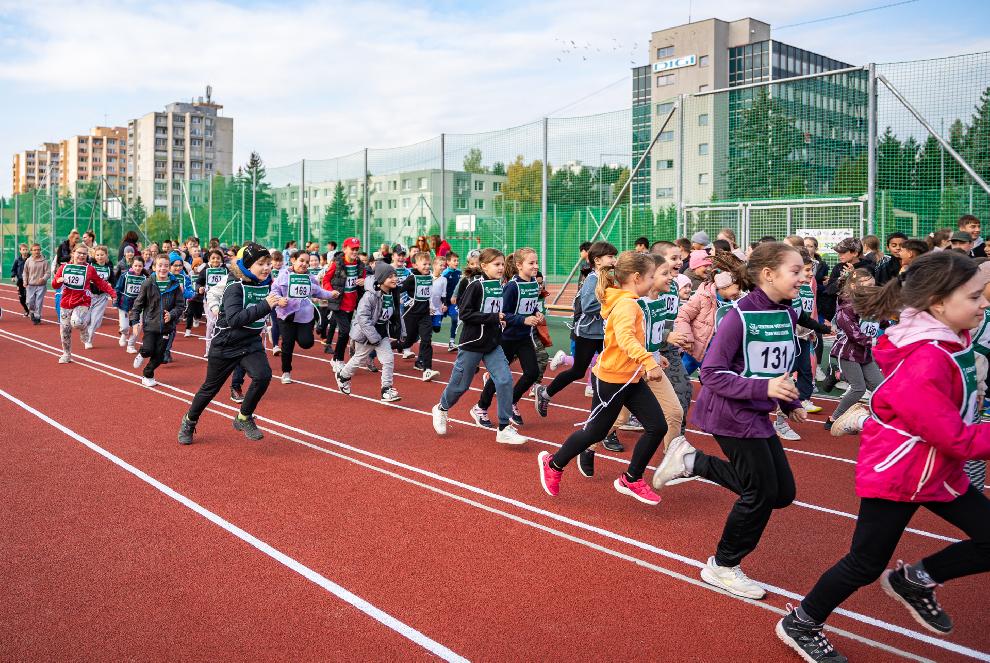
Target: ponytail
{"points": [[930, 279], [628, 264], [606, 280]]}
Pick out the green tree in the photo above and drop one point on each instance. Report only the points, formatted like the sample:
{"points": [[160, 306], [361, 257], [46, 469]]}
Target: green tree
{"points": [[620, 181], [339, 218], [498, 168], [254, 175], [977, 144], [567, 187], [851, 176], [160, 227], [524, 182], [138, 212], [472, 161]]}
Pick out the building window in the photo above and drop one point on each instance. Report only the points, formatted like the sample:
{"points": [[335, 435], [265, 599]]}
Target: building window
{"points": [[703, 120], [378, 187], [497, 187], [665, 79], [665, 164], [665, 52], [460, 203], [665, 192], [479, 185], [352, 189], [702, 178], [378, 204], [405, 203], [393, 185], [666, 136], [423, 184], [479, 203], [702, 149], [664, 108], [406, 185], [703, 61]]}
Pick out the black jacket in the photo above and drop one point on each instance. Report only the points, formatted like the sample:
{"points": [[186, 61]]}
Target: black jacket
{"points": [[151, 303], [409, 287], [480, 332], [888, 268], [233, 337]]}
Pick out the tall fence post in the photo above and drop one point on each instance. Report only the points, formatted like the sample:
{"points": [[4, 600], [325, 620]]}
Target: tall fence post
{"points": [[254, 187], [871, 149], [209, 213], [443, 188], [302, 205], [366, 221], [680, 166], [543, 195]]}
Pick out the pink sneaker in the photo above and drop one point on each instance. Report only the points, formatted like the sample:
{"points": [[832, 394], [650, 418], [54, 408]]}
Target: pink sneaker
{"points": [[549, 477], [639, 490]]}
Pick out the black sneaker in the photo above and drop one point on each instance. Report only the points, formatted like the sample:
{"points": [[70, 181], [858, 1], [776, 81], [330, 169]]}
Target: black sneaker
{"points": [[586, 463], [515, 419], [807, 639], [36, 321], [236, 395], [542, 400], [611, 442], [919, 599], [186, 430], [248, 427], [828, 424], [418, 365], [344, 384]]}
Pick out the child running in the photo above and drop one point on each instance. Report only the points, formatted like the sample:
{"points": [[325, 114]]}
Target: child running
{"points": [[453, 277], [480, 307], [247, 301], [520, 299], [158, 307], [377, 323], [928, 359], [36, 273], [344, 280], [178, 269], [416, 318], [75, 278], [619, 380], [128, 286], [98, 299], [698, 318], [17, 276], [214, 274], [745, 376], [295, 320]]}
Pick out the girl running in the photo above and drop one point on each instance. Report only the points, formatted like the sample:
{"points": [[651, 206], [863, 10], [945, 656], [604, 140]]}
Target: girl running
{"points": [[158, 307], [481, 320], [520, 298], [912, 456], [589, 327], [698, 318], [178, 270], [99, 299], [75, 279], [128, 286], [619, 380], [295, 320], [745, 376], [853, 349]]}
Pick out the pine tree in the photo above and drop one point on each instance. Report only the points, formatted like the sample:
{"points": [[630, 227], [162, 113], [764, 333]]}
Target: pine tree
{"points": [[977, 143], [339, 217], [254, 175]]}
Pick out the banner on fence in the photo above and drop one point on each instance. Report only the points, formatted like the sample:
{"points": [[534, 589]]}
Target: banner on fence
{"points": [[827, 237]]}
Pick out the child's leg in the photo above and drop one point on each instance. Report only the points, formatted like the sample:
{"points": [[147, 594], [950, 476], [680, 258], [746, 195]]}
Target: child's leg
{"points": [[276, 330], [58, 304], [426, 342], [383, 351], [542, 359], [155, 345], [237, 381], [452, 312], [526, 352], [211, 323], [679, 381], [639, 400], [508, 349], [460, 377], [605, 408], [343, 322], [288, 330], [872, 375], [98, 308], [218, 370], [65, 329], [36, 300], [584, 350], [22, 296], [671, 406], [500, 376], [256, 365], [970, 512], [805, 379], [358, 359], [853, 374]]}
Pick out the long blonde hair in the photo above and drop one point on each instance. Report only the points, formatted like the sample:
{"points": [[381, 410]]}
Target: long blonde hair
{"points": [[627, 264], [515, 259]]}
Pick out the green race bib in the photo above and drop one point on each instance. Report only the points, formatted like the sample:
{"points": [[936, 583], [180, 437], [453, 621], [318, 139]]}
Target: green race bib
{"points": [[720, 313], [252, 295], [655, 318], [132, 284], [981, 337], [870, 327], [768, 343], [387, 308], [314, 272], [275, 273], [214, 275], [966, 363], [74, 276], [300, 286], [401, 274], [491, 297], [351, 278], [162, 285], [529, 297], [805, 301], [422, 287], [103, 271]]}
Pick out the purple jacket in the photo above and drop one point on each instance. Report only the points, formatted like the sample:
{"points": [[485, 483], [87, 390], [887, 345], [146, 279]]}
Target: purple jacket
{"points": [[302, 308], [730, 404], [851, 343]]}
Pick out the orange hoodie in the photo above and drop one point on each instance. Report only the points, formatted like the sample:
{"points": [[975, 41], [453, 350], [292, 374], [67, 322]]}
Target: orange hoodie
{"points": [[625, 339]]}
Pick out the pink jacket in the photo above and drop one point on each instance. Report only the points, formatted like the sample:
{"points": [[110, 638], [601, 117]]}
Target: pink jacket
{"points": [[914, 446], [696, 319]]}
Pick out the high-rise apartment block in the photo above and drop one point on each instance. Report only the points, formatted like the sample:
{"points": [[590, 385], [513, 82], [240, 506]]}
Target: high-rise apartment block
{"points": [[101, 154], [38, 168]]}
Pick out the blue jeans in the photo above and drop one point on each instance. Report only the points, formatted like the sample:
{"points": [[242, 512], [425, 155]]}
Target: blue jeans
{"points": [[690, 363], [58, 304], [805, 379], [466, 365]]}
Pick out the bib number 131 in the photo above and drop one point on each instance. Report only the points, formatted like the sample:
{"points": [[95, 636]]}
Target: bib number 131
{"points": [[771, 358]]}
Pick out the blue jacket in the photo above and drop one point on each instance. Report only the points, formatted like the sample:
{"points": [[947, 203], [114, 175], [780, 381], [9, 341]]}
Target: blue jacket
{"points": [[124, 302], [589, 323], [515, 327], [453, 277]]}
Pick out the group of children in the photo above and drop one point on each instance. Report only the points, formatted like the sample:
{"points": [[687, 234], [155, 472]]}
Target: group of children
{"points": [[749, 322]]}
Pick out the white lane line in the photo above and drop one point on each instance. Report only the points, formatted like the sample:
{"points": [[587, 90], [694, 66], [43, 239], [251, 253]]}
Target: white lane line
{"points": [[361, 604], [855, 616], [471, 424]]}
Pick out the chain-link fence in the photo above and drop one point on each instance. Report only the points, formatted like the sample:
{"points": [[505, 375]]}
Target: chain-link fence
{"points": [[791, 156]]}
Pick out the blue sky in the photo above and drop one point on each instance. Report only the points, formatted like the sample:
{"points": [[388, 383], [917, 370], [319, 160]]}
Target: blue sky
{"points": [[316, 80]]}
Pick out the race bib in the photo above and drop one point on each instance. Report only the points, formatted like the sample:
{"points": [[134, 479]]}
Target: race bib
{"points": [[422, 287], [529, 297], [768, 343], [402, 273], [720, 313], [350, 278], [74, 276], [314, 272], [491, 297], [300, 286], [981, 337], [965, 361], [275, 272], [805, 301], [252, 295], [870, 327], [103, 271], [387, 309], [655, 320], [215, 275], [132, 284]]}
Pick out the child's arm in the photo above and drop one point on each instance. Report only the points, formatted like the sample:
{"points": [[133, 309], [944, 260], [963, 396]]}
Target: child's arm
{"points": [[716, 370], [510, 299], [140, 302], [365, 319], [175, 313], [848, 322], [686, 315], [623, 320], [57, 279]]}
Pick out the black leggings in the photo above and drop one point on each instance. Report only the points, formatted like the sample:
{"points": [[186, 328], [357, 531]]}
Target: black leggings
{"points": [[153, 347], [879, 528], [640, 401], [584, 351], [194, 311], [757, 471], [524, 349], [341, 320], [218, 369], [294, 333]]}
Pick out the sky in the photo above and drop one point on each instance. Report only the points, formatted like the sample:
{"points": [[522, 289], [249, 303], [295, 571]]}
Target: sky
{"points": [[316, 80]]}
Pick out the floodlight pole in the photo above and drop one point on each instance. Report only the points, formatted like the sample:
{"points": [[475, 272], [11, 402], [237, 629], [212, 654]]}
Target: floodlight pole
{"points": [[871, 149]]}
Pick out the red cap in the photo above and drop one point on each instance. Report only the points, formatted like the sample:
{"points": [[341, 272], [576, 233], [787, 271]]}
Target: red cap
{"points": [[352, 242]]}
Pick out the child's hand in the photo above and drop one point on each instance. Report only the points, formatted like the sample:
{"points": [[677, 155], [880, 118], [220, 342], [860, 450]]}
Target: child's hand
{"points": [[655, 373], [360, 282], [166, 316], [334, 294], [782, 388], [283, 302], [531, 320], [679, 339], [272, 299], [798, 416], [664, 363]]}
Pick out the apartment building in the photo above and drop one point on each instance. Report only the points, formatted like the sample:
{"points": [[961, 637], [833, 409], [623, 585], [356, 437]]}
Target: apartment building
{"points": [[38, 168], [166, 150], [101, 154]]}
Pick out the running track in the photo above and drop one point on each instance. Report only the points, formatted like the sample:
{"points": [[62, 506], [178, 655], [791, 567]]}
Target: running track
{"points": [[352, 531]]}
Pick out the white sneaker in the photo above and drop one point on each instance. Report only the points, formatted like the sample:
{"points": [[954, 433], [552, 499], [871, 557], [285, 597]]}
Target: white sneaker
{"points": [[731, 579], [122, 341], [673, 466], [87, 346], [510, 435], [557, 360], [784, 430], [632, 424], [851, 421], [148, 382], [810, 407], [429, 374], [138, 361], [65, 359], [842, 384], [390, 395], [408, 354], [277, 350], [195, 323], [866, 397], [589, 391], [819, 375], [188, 333], [336, 365], [131, 349], [286, 378], [439, 419]]}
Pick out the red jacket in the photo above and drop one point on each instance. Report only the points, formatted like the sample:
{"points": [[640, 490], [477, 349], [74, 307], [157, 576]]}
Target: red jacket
{"points": [[347, 301], [72, 298], [915, 444]]}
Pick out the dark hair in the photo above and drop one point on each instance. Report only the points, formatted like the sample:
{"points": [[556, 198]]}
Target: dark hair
{"points": [[767, 238], [871, 242], [451, 254], [936, 238], [290, 243], [131, 237], [766, 255], [584, 246], [851, 279], [684, 243], [805, 254], [641, 241], [813, 239], [930, 279], [915, 246], [966, 219], [332, 243], [216, 251], [661, 245], [300, 252], [722, 245], [896, 235], [627, 264], [599, 249], [726, 261]]}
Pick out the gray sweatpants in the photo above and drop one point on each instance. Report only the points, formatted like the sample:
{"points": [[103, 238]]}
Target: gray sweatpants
{"points": [[860, 378], [68, 318], [362, 351], [35, 299], [97, 307]]}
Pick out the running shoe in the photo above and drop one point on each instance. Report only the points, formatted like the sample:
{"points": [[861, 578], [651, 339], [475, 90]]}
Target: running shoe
{"points": [[481, 417], [731, 579], [336, 365], [637, 490], [371, 366], [810, 407], [344, 384], [557, 360], [917, 597], [673, 465], [276, 350], [611, 442], [132, 350], [186, 430], [148, 382], [65, 358], [418, 365], [632, 424], [137, 362], [408, 354], [516, 418], [851, 421], [808, 639], [286, 378], [167, 359], [549, 477], [586, 463], [784, 430], [509, 435], [187, 334], [236, 395], [429, 374], [439, 419], [248, 427], [589, 391], [390, 395], [451, 346], [541, 400], [87, 345], [122, 341]]}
